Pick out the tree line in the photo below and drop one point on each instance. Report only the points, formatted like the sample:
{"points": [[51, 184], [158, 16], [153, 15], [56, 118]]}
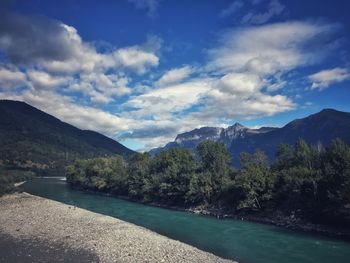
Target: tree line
{"points": [[308, 181]]}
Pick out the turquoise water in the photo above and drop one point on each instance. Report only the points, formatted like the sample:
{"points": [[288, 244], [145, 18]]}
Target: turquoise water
{"points": [[242, 241]]}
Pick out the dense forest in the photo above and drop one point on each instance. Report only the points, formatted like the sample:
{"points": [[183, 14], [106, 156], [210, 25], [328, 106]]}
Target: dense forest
{"points": [[305, 181]]}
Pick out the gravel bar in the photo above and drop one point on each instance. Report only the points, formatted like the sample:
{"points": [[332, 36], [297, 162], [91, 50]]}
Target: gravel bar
{"points": [[42, 230]]}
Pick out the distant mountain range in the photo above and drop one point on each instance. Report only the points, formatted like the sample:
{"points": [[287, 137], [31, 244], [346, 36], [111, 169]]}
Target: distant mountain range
{"points": [[30, 138], [318, 128]]}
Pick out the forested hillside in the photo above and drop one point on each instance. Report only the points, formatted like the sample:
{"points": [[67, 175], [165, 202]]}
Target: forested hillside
{"points": [[34, 140]]}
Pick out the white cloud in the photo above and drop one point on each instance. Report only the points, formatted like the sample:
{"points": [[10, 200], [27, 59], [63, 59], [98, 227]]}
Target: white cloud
{"points": [[240, 96], [100, 87], [245, 68], [66, 109], [175, 75], [57, 57], [58, 48], [12, 79], [135, 58], [163, 102], [274, 8], [221, 105], [40, 79], [268, 49], [240, 84], [85, 58], [323, 79], [240, 80]]}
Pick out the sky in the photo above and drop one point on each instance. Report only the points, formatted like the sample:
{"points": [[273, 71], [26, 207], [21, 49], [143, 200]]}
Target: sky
{"points": [[143, 71]]}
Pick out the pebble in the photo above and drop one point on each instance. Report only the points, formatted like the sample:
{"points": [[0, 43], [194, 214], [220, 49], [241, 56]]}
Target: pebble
{"points": [[110, 239]]}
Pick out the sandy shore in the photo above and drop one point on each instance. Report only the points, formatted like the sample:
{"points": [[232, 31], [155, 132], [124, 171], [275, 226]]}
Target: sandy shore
{"points": [[42, 230]]}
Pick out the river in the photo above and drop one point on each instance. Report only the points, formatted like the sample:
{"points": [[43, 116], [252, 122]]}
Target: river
{"points": [[243, 241]]}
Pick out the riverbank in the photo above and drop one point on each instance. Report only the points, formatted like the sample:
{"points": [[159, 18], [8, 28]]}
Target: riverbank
{"points": [[278, 219], [68, 230]]}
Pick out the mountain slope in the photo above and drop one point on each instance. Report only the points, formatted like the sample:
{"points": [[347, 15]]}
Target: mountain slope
{"points": [[321, 128], [34, 139]]}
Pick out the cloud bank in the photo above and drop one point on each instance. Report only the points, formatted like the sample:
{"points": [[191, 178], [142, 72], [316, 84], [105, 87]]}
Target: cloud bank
{"points": [[122, 93]]}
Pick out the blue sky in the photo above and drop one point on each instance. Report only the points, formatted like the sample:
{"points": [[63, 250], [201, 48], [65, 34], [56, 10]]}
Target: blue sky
{"points": [[142, 71]]}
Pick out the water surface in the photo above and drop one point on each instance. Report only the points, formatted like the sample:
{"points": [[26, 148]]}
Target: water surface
{"points": [[242, 241]]}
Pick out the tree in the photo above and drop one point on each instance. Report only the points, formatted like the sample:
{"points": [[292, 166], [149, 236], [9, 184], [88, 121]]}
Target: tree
{"points": [[254, 183], [215, 166], [200, 189], [172, 170], [297, 178], [102, 174], [138, 175], [335, 182], [303, 155], [284, 157]]}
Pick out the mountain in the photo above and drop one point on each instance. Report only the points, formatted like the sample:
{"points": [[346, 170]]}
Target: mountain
{"points": [[33, 139], [318, 128]]}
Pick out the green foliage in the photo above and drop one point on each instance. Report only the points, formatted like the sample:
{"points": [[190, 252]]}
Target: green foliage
{"points": [[255, 182], [139, 176], [214, 158], [200, 189], [311, 182], [9, 177], [101, 174], [335, 181], [215, 169], [173, 169]]}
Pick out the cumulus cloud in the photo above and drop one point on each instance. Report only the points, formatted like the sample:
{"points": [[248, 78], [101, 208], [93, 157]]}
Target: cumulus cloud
{"points": [[269, 48], [175, 75], [101, 88], [323, 79], [219, 105], [135, 58], [85, 58], [252, 61], [239, 84], [241, 78], [163, 102], [12, 79], [43, 80], [26, 39], [66, 109], [58, 48], [55, 56]]}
